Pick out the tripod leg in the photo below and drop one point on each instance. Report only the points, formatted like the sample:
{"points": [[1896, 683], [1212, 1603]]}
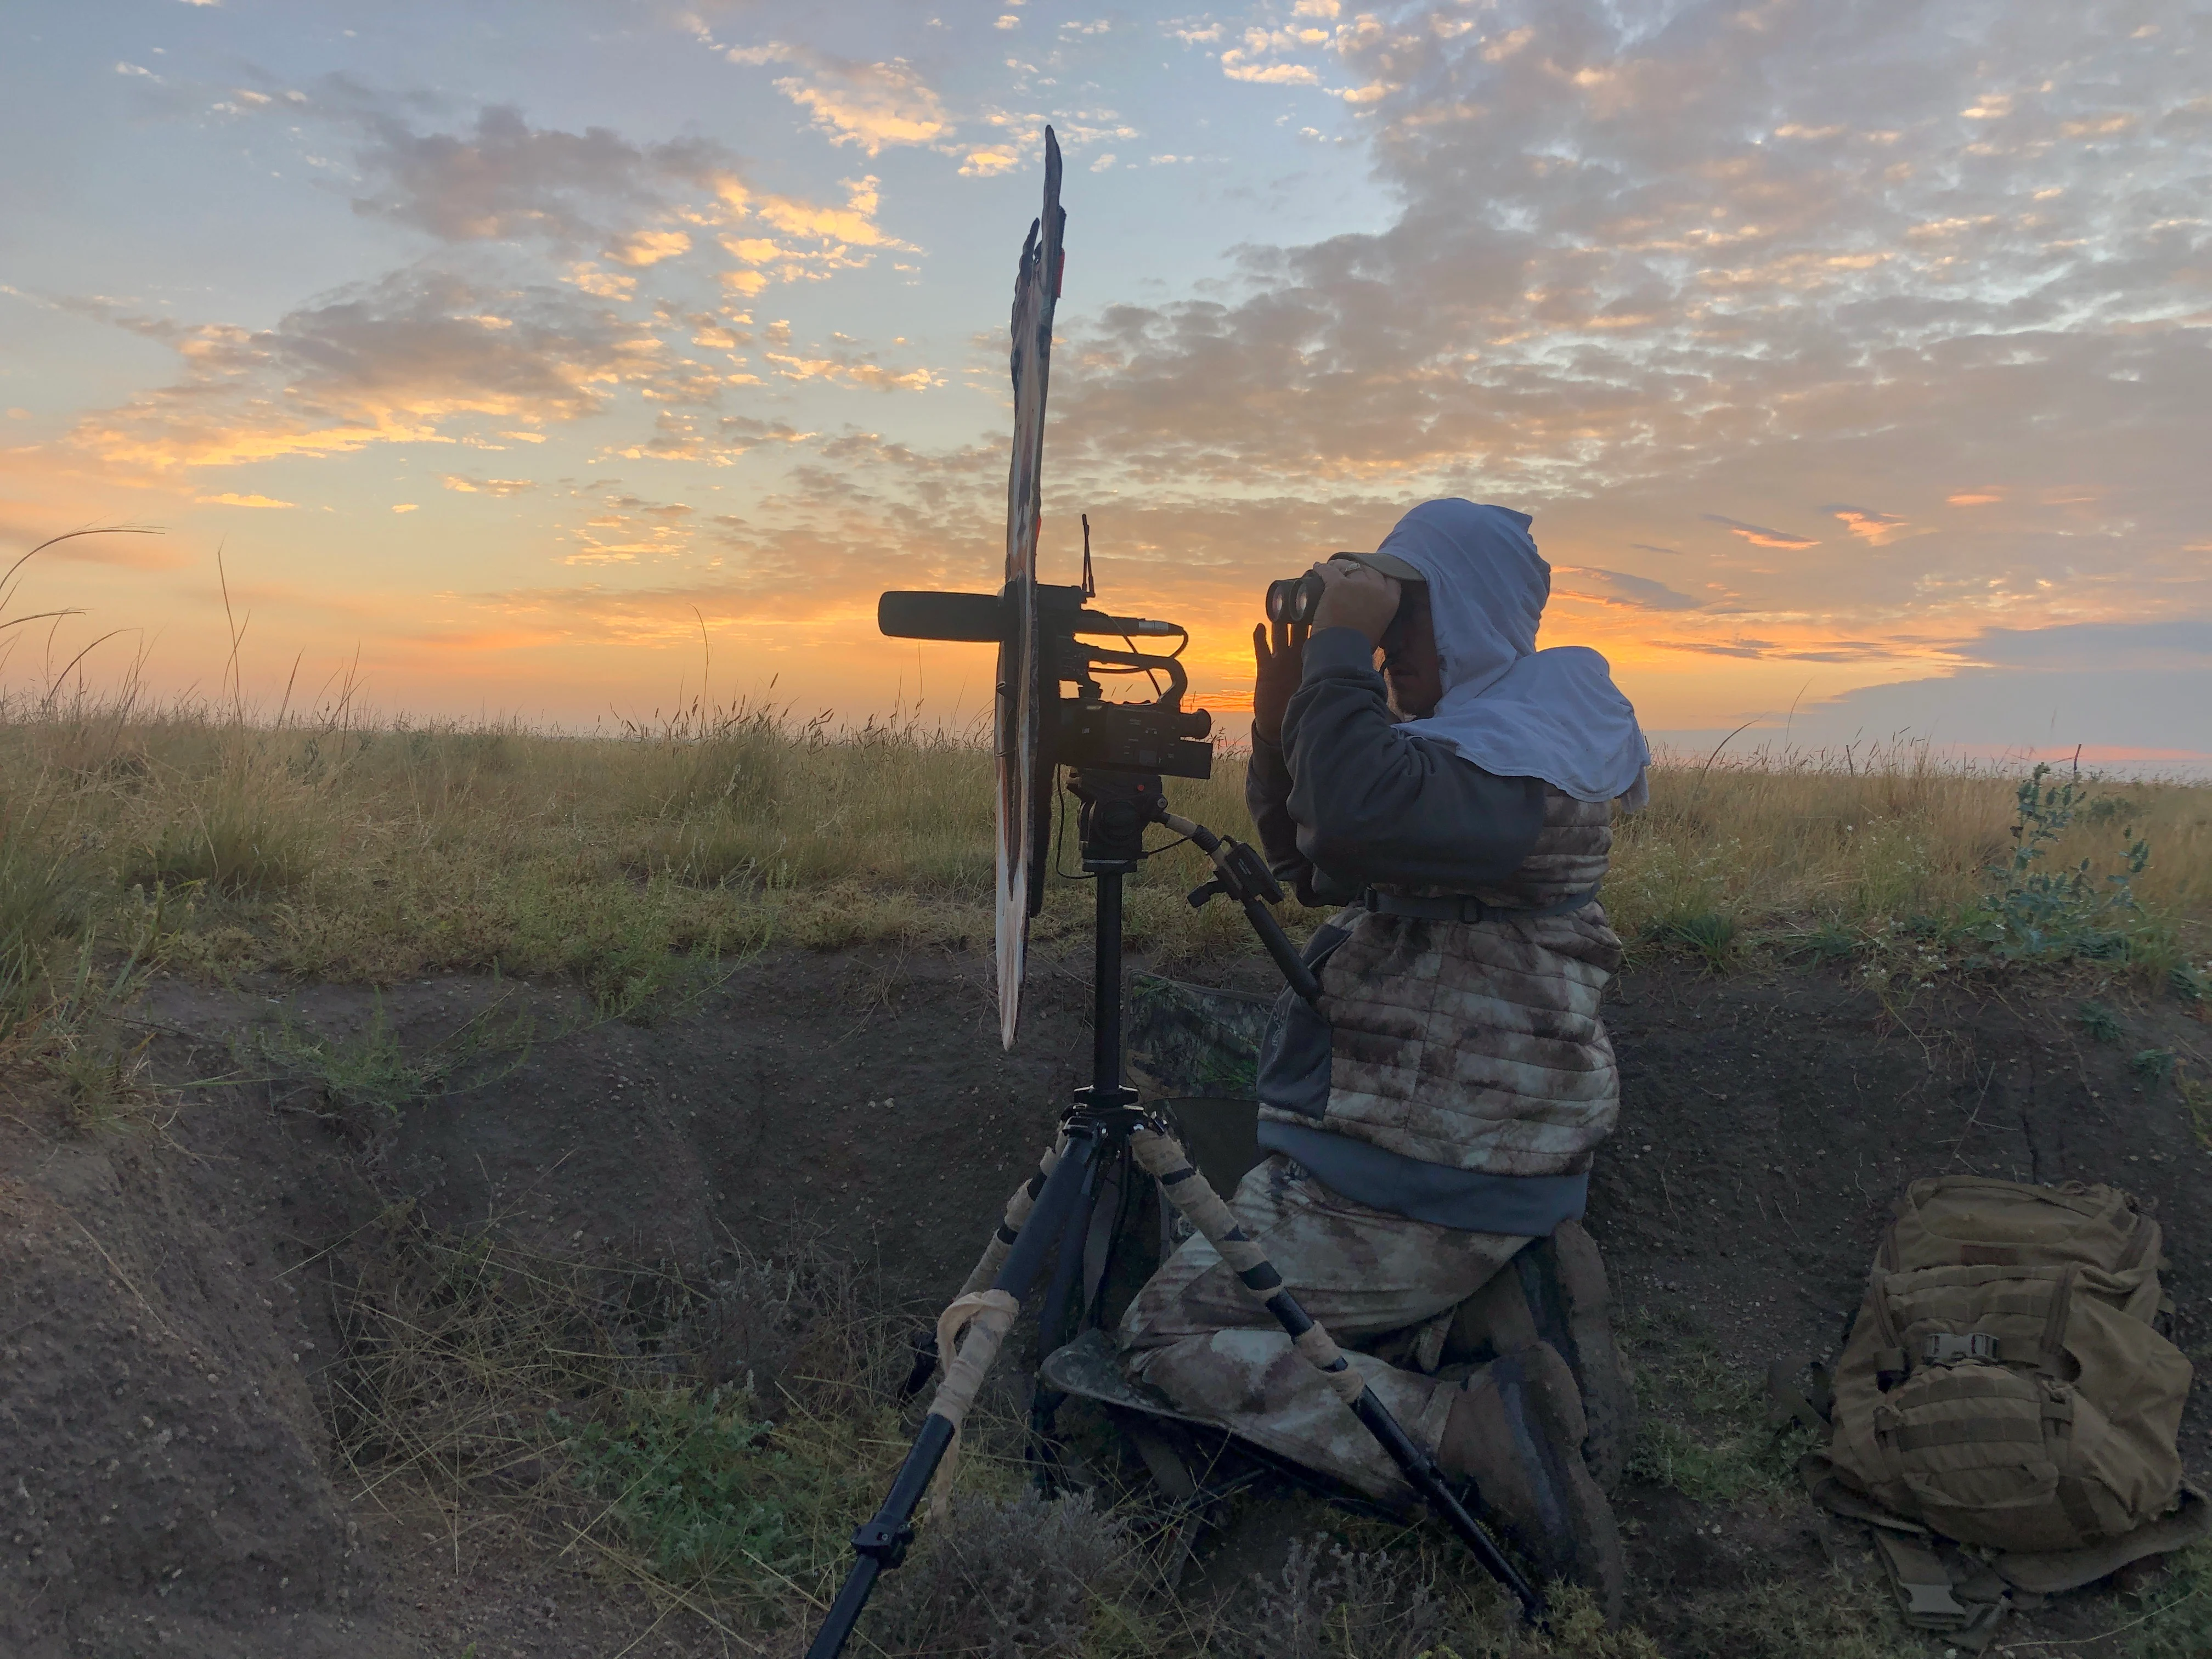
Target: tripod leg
{"points": [[928, 1351], [975, 1324], [1052, 1328], [1017, 1212], [1163, 1157]]}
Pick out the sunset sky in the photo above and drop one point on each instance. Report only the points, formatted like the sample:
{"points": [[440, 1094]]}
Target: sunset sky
{"points": [[1854, 356]]}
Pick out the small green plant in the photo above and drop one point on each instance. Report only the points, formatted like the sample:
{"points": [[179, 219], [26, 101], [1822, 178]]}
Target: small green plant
{"points": [[1712, 936], [693, 1477], [2154, 1066], [2175, 1620], [371, 1070], [2036, 914], [2196, 1100], [374, 1071], [2185, 982], [2101, 1023], [103, 1078], [250, 829], [1830, 942], [1329, 1602], [1703, 1428]]}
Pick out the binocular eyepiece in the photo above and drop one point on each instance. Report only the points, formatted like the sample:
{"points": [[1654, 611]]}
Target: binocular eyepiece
{"points": [[1293, 598]]}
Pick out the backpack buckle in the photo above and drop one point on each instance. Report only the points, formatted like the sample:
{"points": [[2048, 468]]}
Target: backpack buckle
{"points": [[1950, 1347]]}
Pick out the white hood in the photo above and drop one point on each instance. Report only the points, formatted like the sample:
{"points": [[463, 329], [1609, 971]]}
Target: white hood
{"points": [[1514, 710]]}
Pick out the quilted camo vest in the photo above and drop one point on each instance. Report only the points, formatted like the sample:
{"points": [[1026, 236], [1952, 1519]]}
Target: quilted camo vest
{"points": [[1478, 1045]]}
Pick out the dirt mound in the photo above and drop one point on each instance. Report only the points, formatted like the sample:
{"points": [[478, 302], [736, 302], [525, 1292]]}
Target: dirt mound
{"points": [[165, 1477], [165, 1308]]}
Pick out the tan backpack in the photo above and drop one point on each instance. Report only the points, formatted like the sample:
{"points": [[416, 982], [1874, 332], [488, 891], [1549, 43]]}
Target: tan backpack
{"points": [[2003, 1384]]}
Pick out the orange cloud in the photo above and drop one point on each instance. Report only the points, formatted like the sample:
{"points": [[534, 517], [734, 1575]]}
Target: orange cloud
{"points": [[648, 247], [869, 105], [1759, 535], [1876, 528]]}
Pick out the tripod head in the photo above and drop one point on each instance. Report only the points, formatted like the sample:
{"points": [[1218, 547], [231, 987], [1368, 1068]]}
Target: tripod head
{"points": [[1116, 807]]}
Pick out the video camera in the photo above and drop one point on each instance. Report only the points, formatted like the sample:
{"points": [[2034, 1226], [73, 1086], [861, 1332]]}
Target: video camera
{"points": [[1084, 730]]}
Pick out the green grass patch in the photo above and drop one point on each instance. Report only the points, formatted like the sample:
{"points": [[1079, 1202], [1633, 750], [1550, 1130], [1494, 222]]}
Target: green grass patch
{"points": [[695, 1481], [1702, 1427], [2176, 1613], [2099, 1023]]}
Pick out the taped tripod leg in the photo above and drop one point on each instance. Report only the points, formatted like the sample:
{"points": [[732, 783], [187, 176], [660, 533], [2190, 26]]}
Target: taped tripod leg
{"points": [[971, 1329], [978, 1321], [1017, 1212], [1163, 1157], [928, 1349]]}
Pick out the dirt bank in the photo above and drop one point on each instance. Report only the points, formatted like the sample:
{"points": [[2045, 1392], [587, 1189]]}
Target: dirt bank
{"points": [[165, 1288]]}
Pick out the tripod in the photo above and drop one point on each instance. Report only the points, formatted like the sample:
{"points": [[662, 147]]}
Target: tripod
{"points": [[1055, 1205]]}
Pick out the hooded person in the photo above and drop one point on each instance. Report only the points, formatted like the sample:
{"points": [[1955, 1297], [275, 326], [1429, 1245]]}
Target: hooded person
{"points": [[1432, 1123]]}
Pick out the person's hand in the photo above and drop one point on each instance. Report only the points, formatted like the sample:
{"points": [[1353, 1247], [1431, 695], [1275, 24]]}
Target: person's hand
{"points": [[1356, 596], [1279, 650]]}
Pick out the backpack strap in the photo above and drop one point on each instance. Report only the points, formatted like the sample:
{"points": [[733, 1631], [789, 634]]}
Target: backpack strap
{"points": [[1963, 1604], [1921, 1582]]}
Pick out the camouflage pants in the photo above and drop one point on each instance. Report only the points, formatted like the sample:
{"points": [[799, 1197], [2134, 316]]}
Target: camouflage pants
{"points": [[1197, 1334]]}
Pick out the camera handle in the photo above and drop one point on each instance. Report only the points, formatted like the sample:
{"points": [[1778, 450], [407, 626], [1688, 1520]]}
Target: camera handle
{"points": [[1241, 874]]}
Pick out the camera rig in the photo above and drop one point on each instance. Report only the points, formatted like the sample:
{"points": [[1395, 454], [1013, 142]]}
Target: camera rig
{"points": [[1085, 730]]}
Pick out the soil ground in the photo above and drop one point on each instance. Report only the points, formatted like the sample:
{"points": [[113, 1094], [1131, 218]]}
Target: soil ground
{"points": [[167, 1468]]}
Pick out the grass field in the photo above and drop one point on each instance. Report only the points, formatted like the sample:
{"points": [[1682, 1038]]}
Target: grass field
{"points": [[134, 838], [372, 854]]}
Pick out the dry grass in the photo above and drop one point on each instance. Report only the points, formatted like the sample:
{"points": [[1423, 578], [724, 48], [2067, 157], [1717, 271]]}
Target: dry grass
{"points": [[324, 849], [712, 1439], [1798, 843]]}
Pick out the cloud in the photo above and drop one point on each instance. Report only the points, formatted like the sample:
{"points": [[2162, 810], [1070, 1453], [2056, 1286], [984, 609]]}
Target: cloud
{"points": [[1865, 522], [499, 487], [1020, 138], [811, 241], [1606, 276], [1759, 535], [399, 359], [2154, 714], [683, 437], [649, 248], [504, 180], [1618, 587], [2174, 643], [229, 500], [629, 203], [853, 101], [1270, 74], [601, 285], [855, 369]]}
